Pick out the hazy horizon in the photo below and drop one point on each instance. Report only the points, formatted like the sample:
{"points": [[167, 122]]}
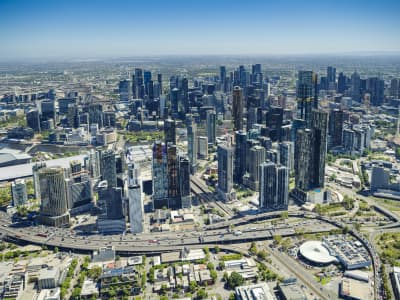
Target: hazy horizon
{"points": [[104, 29]]}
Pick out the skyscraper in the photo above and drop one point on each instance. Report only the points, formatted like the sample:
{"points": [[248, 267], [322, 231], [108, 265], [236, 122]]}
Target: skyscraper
{"points": [[53, 196], [159, 175], [172, 175], [18, 191], [376, 88], [125, 90], [237, 108], [192, 145], [136, 210], [113, 219], [310, 153], [304, 95], [356, 87], [108, 167], [395, 88], [211, 126], [222, 78], [240, 156], [225, 171], [256, 158], [138, 87], [331, 76], [96, 114], [33, 120], [286, 155], [274, 186], [336, 119], [342, 83], [274, 121], [184, 182], [169, 131]]}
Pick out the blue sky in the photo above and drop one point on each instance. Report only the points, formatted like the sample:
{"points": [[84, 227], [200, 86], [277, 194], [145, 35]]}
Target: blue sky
{"points": [[39, 28]]}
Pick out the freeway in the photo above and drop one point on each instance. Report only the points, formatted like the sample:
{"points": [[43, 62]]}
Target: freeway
{"points": [[151, 243]]}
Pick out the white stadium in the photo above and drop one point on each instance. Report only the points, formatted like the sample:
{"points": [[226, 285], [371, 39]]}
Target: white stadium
{"points": [[317, 253]]}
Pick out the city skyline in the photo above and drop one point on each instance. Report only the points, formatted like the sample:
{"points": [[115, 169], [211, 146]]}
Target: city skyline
{"points": [[73, 29]]}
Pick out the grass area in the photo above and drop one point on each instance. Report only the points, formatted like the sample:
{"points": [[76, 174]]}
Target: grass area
{"points": [[5, 195], [389, 247], [392, 205], [134, 137], [323, 280], [233, 256]]}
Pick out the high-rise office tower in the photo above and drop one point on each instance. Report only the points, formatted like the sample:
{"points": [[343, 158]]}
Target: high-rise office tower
{"points": [[395, 88], [173, 181], [33, 120], [73, 116], [342, 83], [53, 196], [211, 126], [304, 95], [184, 181], [112, 197], [225, 171], [48, 110], [336, 119], [240, 156], [192, 145], [310, 153], [169, 131], [109, 119], [175, 100], [159, 175], [96, 114], [222, 78], [92, 163], [256, 158], [112, 220], [331, 76], [274, 121], [376, 88], [356, 87], [35, 174], [108, 168], [18, 191], [315, 90], [136, 210], [237, 108], [159, 80], [202, 142], [125, 90], [274, 186], [146, 81], [286, 155], [138, 84]]}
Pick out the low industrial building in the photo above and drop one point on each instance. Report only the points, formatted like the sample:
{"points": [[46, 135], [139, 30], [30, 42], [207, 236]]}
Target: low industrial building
{"points": [[290, 290], [254, 292], [355, 290], [395, 276]]}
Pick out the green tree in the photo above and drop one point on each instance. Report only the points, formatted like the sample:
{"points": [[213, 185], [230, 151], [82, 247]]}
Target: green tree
{"points": [[284, 215], [235, 280], [202, 294], [192, 286], [277, 239], [253, 248]]}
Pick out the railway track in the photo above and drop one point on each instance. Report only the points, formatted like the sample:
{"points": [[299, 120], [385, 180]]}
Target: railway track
{"points": [[207, 196]]}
